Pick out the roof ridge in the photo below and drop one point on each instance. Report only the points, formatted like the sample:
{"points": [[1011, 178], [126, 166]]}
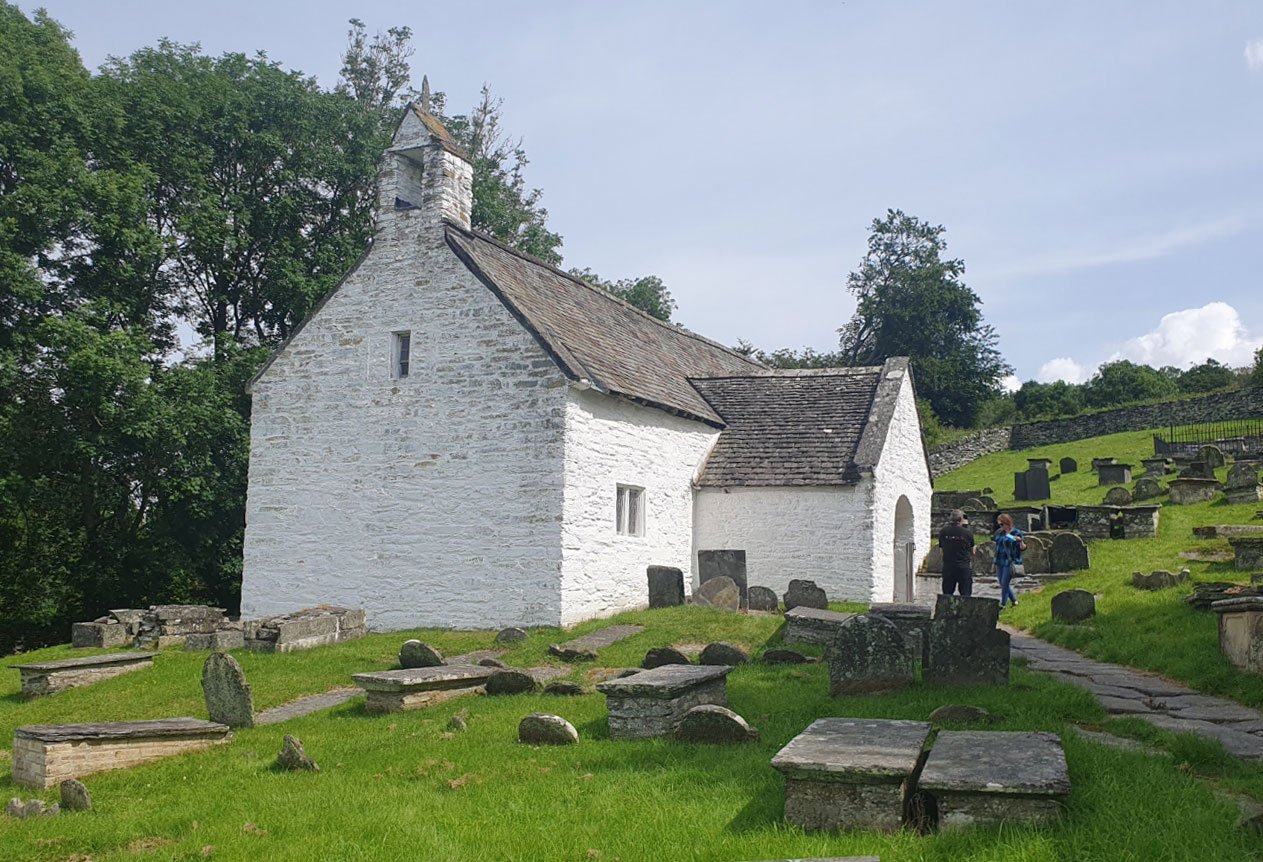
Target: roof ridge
{"points": [[605, 294], [786, 373]]}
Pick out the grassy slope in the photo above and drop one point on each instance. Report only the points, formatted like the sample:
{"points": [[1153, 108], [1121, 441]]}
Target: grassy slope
{"points": [[1156, 630], [401, 787]]}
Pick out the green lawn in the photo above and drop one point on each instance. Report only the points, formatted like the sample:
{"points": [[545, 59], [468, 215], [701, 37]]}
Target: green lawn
{"points": [[403, 787], [1156, 631]]}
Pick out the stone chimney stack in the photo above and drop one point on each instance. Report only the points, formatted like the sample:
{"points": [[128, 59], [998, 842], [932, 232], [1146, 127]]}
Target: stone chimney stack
{"points": [[425, 178]]}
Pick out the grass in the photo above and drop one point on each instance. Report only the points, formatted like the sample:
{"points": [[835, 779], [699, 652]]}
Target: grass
{"points": [[1152, 630], [402, 787]]}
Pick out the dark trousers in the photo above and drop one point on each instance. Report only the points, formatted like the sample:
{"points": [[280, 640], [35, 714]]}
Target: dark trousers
{"points": [[964, 581]]}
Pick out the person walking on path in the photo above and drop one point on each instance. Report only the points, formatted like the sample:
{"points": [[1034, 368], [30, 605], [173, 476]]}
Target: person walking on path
{"points": [[1008, 554], [957, 544]]}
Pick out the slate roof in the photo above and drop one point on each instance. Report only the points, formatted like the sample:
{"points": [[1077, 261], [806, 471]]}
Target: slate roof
{"points": [[596, 337], [792, 428]]}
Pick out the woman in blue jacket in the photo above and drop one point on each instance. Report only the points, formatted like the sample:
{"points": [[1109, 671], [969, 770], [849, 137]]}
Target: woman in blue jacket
{"points": [[1008, 553]]}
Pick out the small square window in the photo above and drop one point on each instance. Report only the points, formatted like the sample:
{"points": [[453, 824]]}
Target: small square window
{"points": [[400, 352], [629, 511]]}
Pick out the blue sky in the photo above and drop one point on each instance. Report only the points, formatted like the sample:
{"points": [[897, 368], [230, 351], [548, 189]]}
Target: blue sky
{"points": [[1099, 166]]}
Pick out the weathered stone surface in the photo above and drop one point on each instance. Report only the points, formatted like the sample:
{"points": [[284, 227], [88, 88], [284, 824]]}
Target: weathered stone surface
{"points": [[1147, 489], [1247, 553], [660, 656], [912, 621], [511, 681], [510, 635], [1187, 491], [1242, 475], [1158, 580], [812, 625], [724, 564], [723, 653], [985, 777], [965, 648], [717, 724], [1114, 474], [652, 702], [413, 688], [843, 773], [219, 641], [1069, 465], [666, 586], [229, 699], [491, 662], [1068, 553], [1118, 497], [961, 714], [719, 592], [1207, 593], [50, 677], [75, 796], [763, 599], [1073, 606], [542, 728], [1212, 455], [784, 656], [1241, 631], [564, 688], [293, 756], [414, 653], [98, 635], [803, 593], [1197, 469], [571, 654], [934, 560], [304, 629], [869, 654]]}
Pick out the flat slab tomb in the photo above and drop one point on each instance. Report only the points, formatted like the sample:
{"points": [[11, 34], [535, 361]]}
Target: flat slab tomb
{"points": [[851, 773], [812, 625], [50, 677], [988, 777], [651, 703], [44, 755], [414, 688]]}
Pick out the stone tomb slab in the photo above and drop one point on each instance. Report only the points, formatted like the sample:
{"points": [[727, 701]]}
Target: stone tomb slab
{"points": [[414, 688], [1241, 631], [44, 755], [851, 773], [804, 625], [50, 677], [987, 777], [601, 638], [651, 703]]}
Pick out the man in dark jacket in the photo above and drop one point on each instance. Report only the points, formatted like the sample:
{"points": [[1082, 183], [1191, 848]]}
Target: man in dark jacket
{"points": [[957, 544]]}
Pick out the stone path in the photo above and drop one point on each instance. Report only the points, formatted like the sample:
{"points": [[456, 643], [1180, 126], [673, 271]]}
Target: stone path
{"points": [[305, 706], [986, 586], [1169, 705], [602, 638]]}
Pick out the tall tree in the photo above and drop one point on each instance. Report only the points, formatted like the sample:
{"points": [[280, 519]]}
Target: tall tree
{"points": [[648, 293], [912, 301], [1124, 382]]}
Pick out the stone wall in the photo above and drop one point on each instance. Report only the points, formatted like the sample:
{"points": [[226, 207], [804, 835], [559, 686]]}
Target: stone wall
{"points": [[944, 459], [900, 473]]}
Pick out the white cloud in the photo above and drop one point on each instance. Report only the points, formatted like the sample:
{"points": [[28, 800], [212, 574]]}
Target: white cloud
{"points": [[1254, 55], [1187, 337], [1062, 368], [1011, 383]]}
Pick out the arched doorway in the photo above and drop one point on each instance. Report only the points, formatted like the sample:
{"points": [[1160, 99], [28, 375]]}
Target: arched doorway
{"points": [[904, 551]]}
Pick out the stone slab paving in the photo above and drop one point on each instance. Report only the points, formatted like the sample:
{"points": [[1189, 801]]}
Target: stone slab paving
{"points": [[602, 638], [305, 706], [1169, 705]]}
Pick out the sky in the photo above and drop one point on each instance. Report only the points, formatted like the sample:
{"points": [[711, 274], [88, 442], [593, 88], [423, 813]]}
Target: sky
{"points": [[1098, 166]]}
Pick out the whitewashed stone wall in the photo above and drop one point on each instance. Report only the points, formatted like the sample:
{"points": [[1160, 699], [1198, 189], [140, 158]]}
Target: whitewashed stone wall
{"points": [[823, 534], [431, 500], [609, 442], [900, 471]]}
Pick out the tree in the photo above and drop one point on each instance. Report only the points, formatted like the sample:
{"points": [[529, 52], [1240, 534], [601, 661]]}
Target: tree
{"points": [[1045, 400], [1124, 382], [1207, 377], [647, 293], [786, 357], [1256, 373], [912, 301]]}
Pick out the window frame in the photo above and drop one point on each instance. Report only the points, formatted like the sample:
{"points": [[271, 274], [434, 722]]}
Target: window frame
{"points": [[629, 510], [400, 354]]}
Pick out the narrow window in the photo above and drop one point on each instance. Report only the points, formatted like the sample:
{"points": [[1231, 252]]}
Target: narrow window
{"points": [[401, 348], [629, 511]]}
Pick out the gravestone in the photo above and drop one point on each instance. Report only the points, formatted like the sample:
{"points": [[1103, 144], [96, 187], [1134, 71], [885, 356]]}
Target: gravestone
{"points": [[1098, 462], [1035, 559], [711, 723], [1147, 488], [1069, 465], [1155, 468], [1197, 470], [1114, 474], [541, 728], [414, 653], [1243, 484], [812, 625], [75, 796], [984, 556], [659, 656], [1158, 580], [934, 560], [1186, 491], [228, 697], [1247, 554], [1073, 606], [1118, 497], [1032, 484], [652, 702], [965, 647], [720, 592], [803, 593], [666, 586], [1044, 464], [912, 621], [721, 652], [763, 599], [1212, 455], [1019, 486], [723, 564], [511, 635], [511, 681], [784, 656], [293, 756], [868, 654], [1068, 553]]}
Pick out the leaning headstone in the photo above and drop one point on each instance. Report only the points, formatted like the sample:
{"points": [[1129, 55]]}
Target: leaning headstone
{"points": [[414, 653], [763, 599], [75, 796], [721, 593], [228, 697], [660, 656], [511, 681], [1147, 489], [721, 652], [715, 724], [293, 756], [511, 635], [541, 728], [1212, 455], [803, 593], [723, 564], [1069, 465], [1118, 497], [965, 647], [1068, 553], [869, 654], [666, 586], [1073, 606]]}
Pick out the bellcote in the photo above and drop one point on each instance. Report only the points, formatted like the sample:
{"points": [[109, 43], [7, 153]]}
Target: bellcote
{"points": [[425, 177]]}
